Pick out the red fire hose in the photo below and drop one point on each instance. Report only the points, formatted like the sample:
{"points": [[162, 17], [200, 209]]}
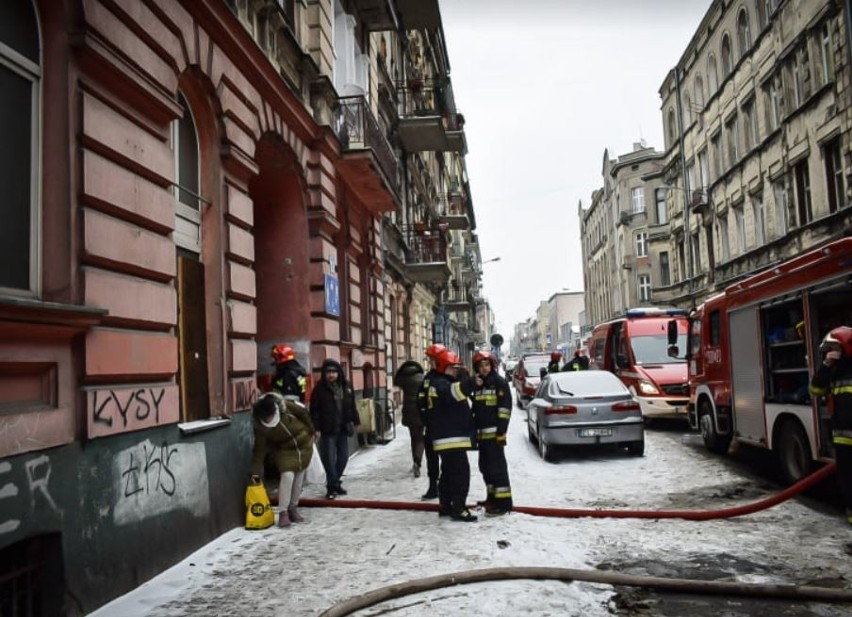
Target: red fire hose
{"points": [[690, 515]]}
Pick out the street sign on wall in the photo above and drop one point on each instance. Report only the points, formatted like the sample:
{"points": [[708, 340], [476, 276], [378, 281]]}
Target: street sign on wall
{"points": [[332, 295]]}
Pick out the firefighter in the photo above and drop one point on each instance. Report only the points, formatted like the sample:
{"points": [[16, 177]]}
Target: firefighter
{"points": [[578, 363], [492, 407], [555, 357], [289, 374], [449, 422], [432, 464], [834, 377]]}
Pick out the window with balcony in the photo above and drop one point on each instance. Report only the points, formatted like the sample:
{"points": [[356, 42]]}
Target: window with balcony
{"points": [[834, 175], [638, 198], [20, 124]]}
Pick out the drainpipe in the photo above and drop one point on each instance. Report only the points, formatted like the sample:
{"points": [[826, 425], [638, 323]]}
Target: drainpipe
{"points": [[686, 229]]}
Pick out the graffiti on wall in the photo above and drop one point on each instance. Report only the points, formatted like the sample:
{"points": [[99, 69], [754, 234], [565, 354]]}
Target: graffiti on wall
{"points": [[152, 479], [243, 394], [37, 473], [110, 411]]}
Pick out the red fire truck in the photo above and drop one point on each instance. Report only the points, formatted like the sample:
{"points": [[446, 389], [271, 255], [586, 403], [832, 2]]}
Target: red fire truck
{"points": [[752, 348]]}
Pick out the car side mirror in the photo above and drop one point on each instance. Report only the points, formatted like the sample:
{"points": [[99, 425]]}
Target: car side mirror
{"points": [[671, 332], [542, 372], [621, 361], [673, 351]]}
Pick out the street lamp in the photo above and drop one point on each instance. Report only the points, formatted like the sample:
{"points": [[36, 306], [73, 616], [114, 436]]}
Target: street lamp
{"points": [[488, 261]]}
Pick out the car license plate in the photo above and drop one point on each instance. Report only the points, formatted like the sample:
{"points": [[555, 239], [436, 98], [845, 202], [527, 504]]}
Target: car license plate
{"points": [[594, 432]]}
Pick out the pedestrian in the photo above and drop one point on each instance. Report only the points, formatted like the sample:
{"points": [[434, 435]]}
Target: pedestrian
{"points": [[284, 430], [289, 374], [580, 362], [553, 366], [492, 408], [335, 418], [449, 420], [833, 377], [409, 378], [432, 463]]}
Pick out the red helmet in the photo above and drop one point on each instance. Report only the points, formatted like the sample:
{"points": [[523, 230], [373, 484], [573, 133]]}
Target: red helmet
{"points": [[433, 350], [282, 354], [556, 355], [579, 353], [446, 359], [479, 356], [839, 337]]}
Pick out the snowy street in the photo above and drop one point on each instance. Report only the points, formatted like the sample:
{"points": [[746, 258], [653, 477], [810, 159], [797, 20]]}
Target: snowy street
{"points": [[340, 553]]}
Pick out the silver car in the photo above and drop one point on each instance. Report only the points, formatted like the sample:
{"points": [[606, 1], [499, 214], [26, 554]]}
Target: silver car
{"points": [[584, 408]]}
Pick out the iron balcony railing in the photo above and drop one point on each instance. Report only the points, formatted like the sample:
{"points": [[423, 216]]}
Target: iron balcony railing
{"points": [[357, 129]]}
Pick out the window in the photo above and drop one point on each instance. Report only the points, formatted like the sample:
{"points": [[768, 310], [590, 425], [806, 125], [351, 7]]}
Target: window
{"points": [[782, 207], [690, 176], [644, 288], [762, 14], [642, 244], [703, 169], [716, 152], [804, 206], [798, 88], [662, 214], [834, 175], [687, 109], [739, 229], [825, 71], [695, 251], [712, 76], [743, 32], [773, 104], [724, 244], [750, 129], [699, 93], [681, 256], [759, 220], [638, 195], [672, 127], [20, 208], [732, 137], [727, 56], [665, 269]]}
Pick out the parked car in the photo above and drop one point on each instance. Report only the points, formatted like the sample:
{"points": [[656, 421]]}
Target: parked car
{"points": [[527, 375], [509, 366], [580, 408]]}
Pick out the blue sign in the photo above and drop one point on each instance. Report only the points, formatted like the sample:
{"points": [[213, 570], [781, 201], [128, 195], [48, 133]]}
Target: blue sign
{"points": [[332, 295]]}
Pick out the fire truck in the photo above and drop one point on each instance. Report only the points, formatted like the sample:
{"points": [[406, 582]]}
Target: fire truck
{"points": [[752, 348]]}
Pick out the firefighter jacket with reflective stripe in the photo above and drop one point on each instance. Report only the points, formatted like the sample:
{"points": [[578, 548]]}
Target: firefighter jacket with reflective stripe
{"points": [[448, 417], [836, 380], [423, 395], [492, 406]]}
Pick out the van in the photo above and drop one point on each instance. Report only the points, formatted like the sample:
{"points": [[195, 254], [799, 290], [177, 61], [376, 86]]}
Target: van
{"points": [[635, 348]]}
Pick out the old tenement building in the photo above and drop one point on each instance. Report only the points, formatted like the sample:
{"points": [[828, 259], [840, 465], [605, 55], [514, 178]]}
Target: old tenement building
{"points": [[187, 183]]}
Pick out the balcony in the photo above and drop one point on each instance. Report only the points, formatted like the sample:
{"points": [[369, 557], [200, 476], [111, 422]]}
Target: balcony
{"points": [[454, 213], [423, 126], [420, 14], [458, 302], [376, 15], [454, 133], [699, 201], [368, 165], [426, 258]]}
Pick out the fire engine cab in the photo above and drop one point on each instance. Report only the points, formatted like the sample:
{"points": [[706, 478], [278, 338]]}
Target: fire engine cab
{"points": [[633, 347], [752, 349]]}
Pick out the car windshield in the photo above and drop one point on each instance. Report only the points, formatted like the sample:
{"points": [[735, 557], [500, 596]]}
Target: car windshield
{"points": [[583, 384], [534, 367], [653, 349]]}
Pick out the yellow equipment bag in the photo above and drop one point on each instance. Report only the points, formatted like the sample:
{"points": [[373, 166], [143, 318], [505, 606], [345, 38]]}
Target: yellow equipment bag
{"points": [[259, 514]]}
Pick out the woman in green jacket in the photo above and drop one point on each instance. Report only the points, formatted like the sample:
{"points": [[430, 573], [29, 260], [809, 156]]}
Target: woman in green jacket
{"points": [[283, 428]]}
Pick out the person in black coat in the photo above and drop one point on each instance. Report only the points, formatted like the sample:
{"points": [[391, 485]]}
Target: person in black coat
{"points": [[409, 378], [335, 418], [289, 380], [578, 363], [433, 467]]}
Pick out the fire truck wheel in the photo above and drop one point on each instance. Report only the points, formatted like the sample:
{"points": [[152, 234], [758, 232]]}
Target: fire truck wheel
{"points": [[713, 441], [793, 451]]}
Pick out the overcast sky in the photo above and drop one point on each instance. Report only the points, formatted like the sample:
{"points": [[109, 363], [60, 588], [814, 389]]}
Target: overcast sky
{"points": [[545, 87]]}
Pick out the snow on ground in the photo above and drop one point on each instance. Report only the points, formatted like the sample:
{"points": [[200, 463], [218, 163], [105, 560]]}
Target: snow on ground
{"points": [[340, 553]]}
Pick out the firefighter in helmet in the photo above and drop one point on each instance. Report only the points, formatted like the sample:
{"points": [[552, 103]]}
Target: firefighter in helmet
{"points": [[492, 407], [449, 421], [580, 362], [553, 365], [289, 374], [432, 463], [834, 377]]}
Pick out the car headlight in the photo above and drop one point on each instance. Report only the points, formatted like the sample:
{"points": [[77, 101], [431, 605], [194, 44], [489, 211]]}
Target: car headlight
{"points": [[646, 387]]}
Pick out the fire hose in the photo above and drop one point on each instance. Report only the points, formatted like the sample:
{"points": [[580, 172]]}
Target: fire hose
{"points": [[723, 588]]}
